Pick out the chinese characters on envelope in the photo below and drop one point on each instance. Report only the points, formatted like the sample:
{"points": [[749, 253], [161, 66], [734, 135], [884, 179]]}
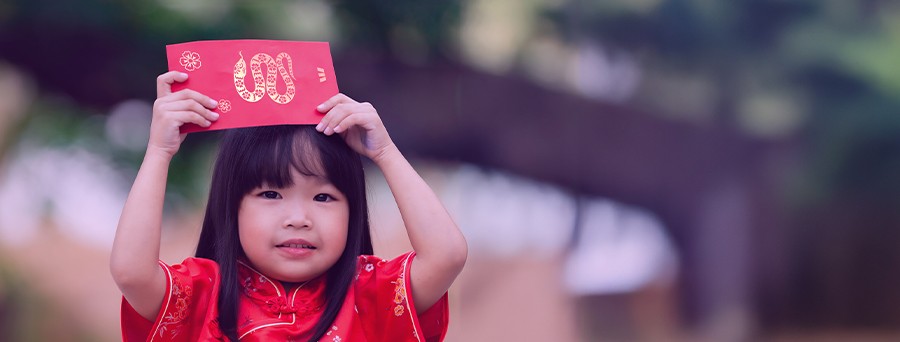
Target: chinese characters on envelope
{"points": [[256, 82]]}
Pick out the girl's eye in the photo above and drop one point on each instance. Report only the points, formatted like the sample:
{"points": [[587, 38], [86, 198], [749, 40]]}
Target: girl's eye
{"points": [[270, 195], [323, 198]]}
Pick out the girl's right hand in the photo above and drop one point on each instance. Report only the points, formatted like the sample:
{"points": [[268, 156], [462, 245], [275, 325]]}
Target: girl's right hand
{"points": [[172, 110]]}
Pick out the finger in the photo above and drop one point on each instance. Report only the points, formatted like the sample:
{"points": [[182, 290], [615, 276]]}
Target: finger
{"points": [[334, 101], [204, 100], [183, 117], [335, 111], [356, 119], [337, 114], [193, 106], [164, 82], [364, 115]]}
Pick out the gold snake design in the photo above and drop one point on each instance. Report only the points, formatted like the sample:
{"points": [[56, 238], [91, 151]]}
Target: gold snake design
{"points": [[267, 86]]}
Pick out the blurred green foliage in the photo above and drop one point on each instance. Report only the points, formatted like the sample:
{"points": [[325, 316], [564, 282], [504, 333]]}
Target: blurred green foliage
{"points": [[838, 57]]}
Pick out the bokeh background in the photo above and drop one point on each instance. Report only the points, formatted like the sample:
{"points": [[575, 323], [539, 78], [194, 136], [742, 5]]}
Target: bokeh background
{"points": [[624, 170]]}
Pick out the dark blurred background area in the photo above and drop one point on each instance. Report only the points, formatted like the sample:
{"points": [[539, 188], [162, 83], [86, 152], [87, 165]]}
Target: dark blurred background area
{"points": [[624, 170]]}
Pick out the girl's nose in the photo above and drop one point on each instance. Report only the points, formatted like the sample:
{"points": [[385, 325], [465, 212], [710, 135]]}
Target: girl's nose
{"points": [[297, 218]]}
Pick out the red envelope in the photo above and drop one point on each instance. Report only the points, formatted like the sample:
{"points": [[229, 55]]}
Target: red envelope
{"points": [[256, 82]]}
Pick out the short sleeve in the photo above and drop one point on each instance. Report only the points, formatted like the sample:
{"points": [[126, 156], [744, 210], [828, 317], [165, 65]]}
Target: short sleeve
{"points": [[188, 310], [385, 304]]}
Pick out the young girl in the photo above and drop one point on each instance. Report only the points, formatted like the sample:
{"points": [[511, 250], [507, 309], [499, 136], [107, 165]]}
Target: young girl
{"points": [[284, 252]]}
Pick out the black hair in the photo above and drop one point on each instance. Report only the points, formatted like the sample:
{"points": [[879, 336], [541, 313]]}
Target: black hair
{"points": [[250, 157]]}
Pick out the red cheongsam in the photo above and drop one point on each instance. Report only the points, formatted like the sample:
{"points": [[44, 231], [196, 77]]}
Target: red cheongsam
{"points": [[378, 307]]}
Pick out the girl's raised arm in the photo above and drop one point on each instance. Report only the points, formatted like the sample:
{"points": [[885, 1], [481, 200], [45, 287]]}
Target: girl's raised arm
{"points": [[440, 247], [135, 253]]}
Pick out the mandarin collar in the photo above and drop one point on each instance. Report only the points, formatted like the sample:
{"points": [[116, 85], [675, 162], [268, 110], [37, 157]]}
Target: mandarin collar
{"points": [[271, 294]]}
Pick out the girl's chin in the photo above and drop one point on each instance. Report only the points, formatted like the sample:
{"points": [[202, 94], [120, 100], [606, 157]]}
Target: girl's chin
{"points": [[296, 281]]}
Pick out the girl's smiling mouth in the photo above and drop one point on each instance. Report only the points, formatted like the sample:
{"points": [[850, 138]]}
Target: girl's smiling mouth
{"points": [[296, 247]]}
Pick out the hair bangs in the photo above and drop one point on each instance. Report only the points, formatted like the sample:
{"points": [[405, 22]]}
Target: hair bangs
{"points": [[306, 155], [272, 154]]}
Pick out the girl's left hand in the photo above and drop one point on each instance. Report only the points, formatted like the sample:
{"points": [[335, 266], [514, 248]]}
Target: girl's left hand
{"points": [[358, 123]]}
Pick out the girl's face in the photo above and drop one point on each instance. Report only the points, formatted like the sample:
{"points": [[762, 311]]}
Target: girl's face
{"points": [[296, 233]]}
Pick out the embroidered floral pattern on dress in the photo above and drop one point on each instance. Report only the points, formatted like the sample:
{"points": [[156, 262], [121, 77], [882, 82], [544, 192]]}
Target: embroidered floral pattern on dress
{"points": [[248, 286], [336, 338], [246, 321], [369, 267], [182, 299], [399, 296]]}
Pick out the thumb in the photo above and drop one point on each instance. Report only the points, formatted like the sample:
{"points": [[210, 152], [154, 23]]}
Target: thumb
{"points": [[164, 82]]}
